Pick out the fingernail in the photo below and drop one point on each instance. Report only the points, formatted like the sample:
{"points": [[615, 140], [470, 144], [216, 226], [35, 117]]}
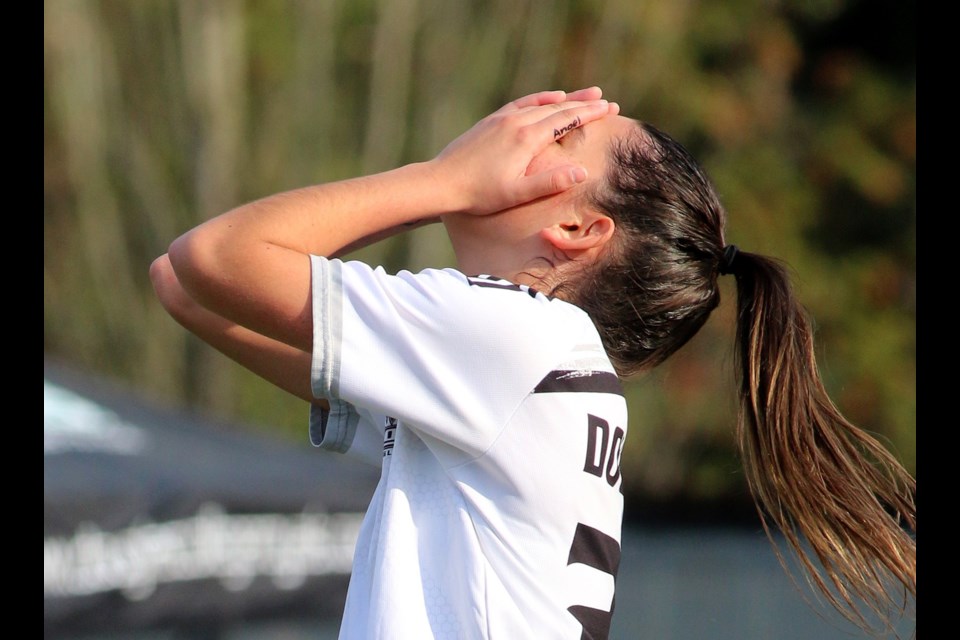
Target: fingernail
{"points": [[578, 174]]}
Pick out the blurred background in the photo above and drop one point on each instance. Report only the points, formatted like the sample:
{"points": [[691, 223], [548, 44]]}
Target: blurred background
{"points": [[161, 114]]}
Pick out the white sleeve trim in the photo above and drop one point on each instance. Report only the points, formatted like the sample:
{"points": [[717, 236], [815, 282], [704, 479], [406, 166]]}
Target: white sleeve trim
{"points": [[327, 326], [333, 429]]}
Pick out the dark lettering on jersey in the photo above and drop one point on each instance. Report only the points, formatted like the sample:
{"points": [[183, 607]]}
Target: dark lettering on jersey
{"points": [[603, 450], [389, 435], [595, 622], [613, 460], [499, 283], [595, 549], [598, 433], [579, 381]]}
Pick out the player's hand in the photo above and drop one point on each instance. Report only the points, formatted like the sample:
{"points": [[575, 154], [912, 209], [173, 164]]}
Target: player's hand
{"points": [[486, 167]]}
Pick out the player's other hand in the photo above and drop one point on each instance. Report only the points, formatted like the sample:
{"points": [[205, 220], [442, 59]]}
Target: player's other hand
{"points": [[485, 169]]}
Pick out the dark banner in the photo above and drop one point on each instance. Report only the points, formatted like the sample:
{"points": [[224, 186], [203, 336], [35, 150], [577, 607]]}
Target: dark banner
{"points": [[154, 518]]}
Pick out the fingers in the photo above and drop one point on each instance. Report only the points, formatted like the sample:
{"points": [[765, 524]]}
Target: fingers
{"points": [[551, 182], [553, 97], [492, 159], [551, 122], [535, 100], [590, 93]]}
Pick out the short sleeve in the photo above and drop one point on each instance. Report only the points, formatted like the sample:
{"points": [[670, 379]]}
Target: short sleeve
{"points": [[344, 429], [451, 359]]}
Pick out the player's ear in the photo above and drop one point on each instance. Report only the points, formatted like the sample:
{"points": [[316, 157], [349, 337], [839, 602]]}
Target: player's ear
{"points": [[581, 232]]}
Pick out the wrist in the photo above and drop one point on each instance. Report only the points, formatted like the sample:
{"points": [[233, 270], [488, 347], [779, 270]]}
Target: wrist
{"points": [[447, 190]]}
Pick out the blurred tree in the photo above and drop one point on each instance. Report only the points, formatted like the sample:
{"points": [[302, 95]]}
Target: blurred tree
{"points": [[160, 114]]}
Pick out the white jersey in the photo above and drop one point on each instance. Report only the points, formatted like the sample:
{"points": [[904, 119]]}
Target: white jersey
{"points": [[498, 422]]}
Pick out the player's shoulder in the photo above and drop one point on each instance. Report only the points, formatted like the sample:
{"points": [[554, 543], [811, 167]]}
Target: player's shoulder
{"points": [[501, 296], [481, 298]]}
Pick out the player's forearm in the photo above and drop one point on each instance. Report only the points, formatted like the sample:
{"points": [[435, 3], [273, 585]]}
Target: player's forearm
{"points": [[383, 235], [285, 366], [320, 219], [250, 264]]}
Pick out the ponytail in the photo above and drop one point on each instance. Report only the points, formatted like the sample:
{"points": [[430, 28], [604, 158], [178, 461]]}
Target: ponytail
{"points": [[842, 501], [813, 474]]}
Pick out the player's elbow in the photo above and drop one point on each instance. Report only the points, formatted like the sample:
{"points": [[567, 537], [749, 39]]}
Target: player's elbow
{"points": [[197, 265], [169, 291], [189, 257]]}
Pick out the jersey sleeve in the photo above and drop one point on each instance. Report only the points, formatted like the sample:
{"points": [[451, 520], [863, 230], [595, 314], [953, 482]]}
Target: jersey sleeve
{"points": [[452, 360], [345, 429]]}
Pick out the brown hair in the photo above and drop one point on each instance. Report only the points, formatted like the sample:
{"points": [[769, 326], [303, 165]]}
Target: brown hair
{"points": [[818, 478]]}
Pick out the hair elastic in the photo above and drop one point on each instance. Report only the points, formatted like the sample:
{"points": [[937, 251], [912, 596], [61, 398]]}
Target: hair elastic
{"points": [[728, 262]]}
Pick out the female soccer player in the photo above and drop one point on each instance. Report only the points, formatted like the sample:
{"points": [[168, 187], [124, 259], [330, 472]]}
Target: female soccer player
{"points": [[589, 248]]}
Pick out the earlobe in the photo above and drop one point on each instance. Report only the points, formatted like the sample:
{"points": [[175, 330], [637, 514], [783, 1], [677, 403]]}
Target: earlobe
{"points": [[591, 232]]}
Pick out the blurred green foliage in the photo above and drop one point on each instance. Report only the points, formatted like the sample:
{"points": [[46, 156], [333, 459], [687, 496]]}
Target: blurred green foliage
{"points": [[160, 114]]}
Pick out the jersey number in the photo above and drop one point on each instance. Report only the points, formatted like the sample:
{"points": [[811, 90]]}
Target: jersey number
{"points": [[596, 549]]}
